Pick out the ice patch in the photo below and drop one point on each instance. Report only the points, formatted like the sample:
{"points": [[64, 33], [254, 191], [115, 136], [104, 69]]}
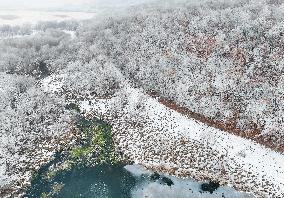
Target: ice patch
{"points": [[182, 188], [137, 170]]}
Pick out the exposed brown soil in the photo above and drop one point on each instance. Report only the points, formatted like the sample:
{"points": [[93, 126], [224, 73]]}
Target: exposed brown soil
{"points": [[227, 126]]}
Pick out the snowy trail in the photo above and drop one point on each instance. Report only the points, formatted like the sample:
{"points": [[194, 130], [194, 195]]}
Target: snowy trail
{"points": [[248, 166]]}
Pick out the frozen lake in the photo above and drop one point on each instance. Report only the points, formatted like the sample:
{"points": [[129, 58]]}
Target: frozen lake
{"points": [[20, 17]]}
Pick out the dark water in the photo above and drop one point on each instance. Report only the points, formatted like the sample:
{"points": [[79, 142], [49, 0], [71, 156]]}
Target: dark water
{"points": [[103, 181], [107, 181], [118, 181]]}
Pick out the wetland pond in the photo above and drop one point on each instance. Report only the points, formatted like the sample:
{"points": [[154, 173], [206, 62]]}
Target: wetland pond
{"points": [[66, 177], [109, 181]]}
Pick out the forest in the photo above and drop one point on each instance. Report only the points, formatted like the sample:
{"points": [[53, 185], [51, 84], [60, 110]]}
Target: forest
{"points": [[222, 60]]}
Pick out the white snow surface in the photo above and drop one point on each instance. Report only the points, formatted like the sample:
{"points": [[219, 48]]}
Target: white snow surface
{"points": [[53, 83]]}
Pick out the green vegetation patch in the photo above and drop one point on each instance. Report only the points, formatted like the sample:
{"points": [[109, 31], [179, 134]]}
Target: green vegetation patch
{"points": [[97, 146], [94, 148]]}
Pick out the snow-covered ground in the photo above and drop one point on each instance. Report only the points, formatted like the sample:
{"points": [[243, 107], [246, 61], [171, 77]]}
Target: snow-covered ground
{"points": [[20, 17]]}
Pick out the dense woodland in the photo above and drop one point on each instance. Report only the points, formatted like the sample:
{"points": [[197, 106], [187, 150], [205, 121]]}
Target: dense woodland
{"points": [[220, 59]]}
